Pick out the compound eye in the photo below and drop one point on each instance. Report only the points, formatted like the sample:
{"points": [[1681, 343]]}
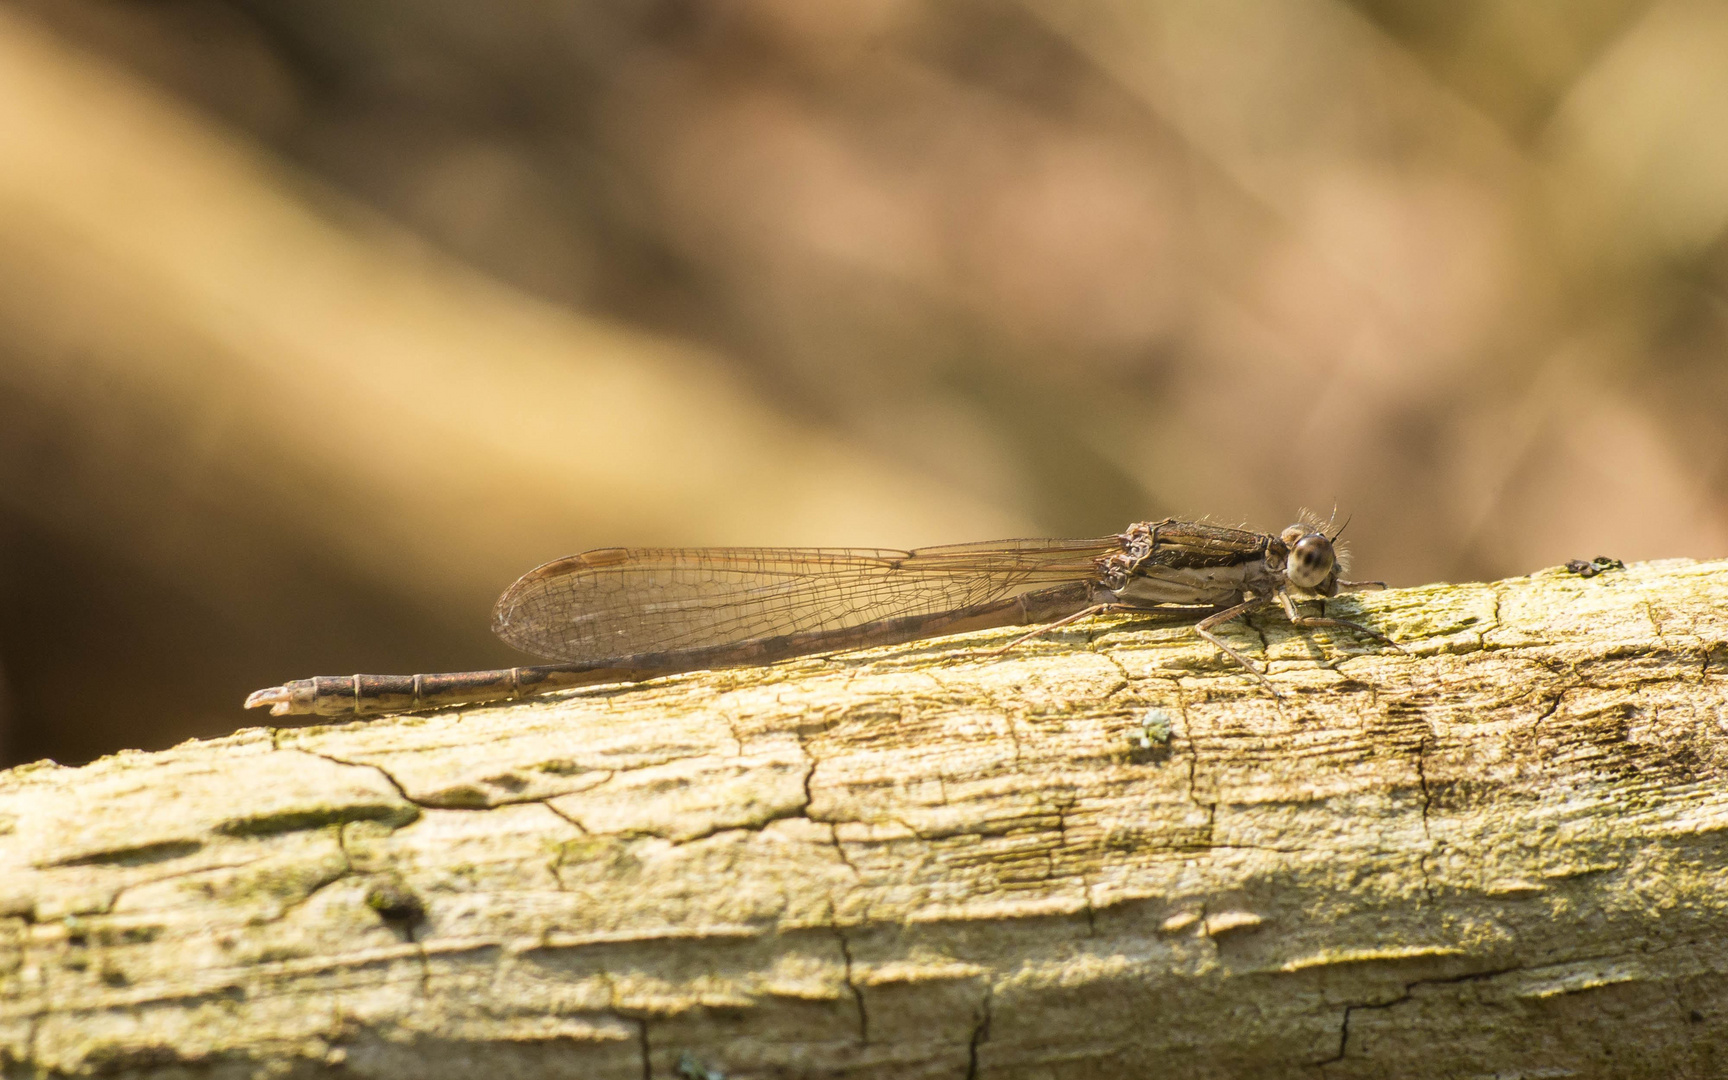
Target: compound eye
{"points": [[1311, 561]]}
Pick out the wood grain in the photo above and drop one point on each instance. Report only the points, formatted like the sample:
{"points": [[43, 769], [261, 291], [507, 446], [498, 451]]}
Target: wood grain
{"points": [[1107, 854]]}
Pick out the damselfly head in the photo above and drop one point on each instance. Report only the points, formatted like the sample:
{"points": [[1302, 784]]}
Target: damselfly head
{"points": [[1311, 559]]}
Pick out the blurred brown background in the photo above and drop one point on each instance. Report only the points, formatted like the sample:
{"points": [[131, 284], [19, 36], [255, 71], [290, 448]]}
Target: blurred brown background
{"points": [[320, 322]]}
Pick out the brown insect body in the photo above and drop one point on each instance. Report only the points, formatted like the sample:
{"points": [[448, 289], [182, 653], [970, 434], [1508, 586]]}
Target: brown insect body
{"points": [[623, 614]]}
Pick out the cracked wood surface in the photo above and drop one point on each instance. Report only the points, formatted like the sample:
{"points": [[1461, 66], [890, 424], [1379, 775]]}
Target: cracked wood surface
{"points": [[1107, 854]]}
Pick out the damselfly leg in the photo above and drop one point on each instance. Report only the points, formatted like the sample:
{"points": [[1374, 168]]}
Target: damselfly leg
{"points": [[1086, 613], [1083, 613], [1299, 619], [1204, 629]]}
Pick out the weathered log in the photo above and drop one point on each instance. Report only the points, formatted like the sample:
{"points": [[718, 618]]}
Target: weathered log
{"points": [[1107, 854]]}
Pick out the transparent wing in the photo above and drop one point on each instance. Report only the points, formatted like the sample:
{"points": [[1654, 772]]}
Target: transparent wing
{"points": [[619, 602]]}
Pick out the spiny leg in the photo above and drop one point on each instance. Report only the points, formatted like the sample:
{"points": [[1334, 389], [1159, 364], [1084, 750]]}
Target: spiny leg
{"points": [[1086, 612], [1099, 609], [1299, 619], [1204, 629]]}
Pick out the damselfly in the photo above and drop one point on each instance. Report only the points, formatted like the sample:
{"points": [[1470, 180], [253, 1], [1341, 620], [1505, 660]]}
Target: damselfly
{"points": [[624, 614]]}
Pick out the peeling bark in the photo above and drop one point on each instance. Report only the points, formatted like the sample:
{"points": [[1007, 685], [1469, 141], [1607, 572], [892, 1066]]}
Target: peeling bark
{"points": [[1107, 854]]}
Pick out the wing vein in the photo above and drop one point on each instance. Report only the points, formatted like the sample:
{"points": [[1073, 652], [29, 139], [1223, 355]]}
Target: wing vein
{"points": [[625, 602]]}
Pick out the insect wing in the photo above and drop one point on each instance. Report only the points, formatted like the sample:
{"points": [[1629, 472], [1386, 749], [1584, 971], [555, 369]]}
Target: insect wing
{"points": [[619, 602]]}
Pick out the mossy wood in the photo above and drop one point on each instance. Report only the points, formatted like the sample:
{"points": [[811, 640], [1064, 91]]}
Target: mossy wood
{"points": [[1107, 854]]}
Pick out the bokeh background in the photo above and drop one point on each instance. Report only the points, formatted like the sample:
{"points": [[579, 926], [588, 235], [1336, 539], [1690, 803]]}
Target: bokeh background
{"points": [[320, 322]]}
